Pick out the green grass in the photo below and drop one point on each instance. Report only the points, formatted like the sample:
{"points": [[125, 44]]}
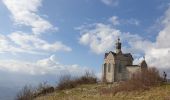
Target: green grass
{"points": [[91, 92]]}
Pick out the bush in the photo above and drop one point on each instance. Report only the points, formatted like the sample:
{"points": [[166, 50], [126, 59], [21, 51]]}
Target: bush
{"points": [[26, 93], [67, 82], [44, 91], [43, 88], [87, 78], [142, 80]]}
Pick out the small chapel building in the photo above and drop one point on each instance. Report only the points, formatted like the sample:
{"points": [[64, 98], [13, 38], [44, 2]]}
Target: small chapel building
{"points": [[118, 66]]}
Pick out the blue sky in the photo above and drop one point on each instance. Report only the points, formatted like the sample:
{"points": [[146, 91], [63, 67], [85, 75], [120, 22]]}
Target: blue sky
{"points": [[41, 39]]}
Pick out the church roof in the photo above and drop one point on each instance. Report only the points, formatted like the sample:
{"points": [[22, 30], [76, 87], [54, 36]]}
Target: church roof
{"points": [[106, 54], [114, 54], [143, 63], [128, 55]]}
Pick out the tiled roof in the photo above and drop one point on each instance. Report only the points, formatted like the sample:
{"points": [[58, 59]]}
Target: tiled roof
{"points": [[114, 54]]}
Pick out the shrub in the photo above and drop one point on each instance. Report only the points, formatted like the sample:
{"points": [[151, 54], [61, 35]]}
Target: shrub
{"points": [[43, 88], [44, 91], [26, 93], [145, 79], [67, 82], [87, 78], [141, 80]]}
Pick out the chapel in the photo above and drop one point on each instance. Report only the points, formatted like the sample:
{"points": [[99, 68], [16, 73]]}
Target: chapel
{"points": [[118, 66]]}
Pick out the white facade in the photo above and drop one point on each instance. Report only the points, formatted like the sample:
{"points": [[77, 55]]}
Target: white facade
{"points": [[118, 66]]}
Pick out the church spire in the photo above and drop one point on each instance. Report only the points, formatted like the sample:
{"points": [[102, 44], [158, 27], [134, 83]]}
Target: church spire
{"points": [[118, 46], [144, 57]]}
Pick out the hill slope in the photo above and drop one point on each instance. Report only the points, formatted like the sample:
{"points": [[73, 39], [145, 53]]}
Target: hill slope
{"points": [[91, 92]]}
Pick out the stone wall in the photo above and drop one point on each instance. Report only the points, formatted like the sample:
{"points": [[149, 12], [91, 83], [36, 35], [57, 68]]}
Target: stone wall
{"points": [[114, 74], [118, 66], [109, 75], [132, 69]]}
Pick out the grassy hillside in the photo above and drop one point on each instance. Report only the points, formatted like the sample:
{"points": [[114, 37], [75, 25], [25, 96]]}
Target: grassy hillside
{"points": [[91, 92]]}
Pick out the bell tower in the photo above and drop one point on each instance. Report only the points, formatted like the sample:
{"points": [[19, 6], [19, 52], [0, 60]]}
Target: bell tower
{"points": [[118, 46]]}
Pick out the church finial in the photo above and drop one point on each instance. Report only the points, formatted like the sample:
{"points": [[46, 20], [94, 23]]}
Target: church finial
{"points": [[118, 40]]}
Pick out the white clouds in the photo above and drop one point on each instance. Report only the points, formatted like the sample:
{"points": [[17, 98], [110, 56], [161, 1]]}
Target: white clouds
{"points": [[22, 42], [117, 21], [111, 2], [3, 43], [133, 21], [159, 54], [32, 42], [163, 35], [156, 53], [24, 13], [120, 22], [6, 46], [114, 20], [99, 39], [40, 67]]}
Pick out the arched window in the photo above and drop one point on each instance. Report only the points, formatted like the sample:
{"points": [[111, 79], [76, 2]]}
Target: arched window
{"points": [[109, 67]]}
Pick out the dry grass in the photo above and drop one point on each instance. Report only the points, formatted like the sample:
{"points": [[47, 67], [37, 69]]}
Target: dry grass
{"points": [[67, 82], [91, 92], [145, 85]]}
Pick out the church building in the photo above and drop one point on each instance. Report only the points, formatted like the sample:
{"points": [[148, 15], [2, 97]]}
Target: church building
{"points": [[118, 66]]}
